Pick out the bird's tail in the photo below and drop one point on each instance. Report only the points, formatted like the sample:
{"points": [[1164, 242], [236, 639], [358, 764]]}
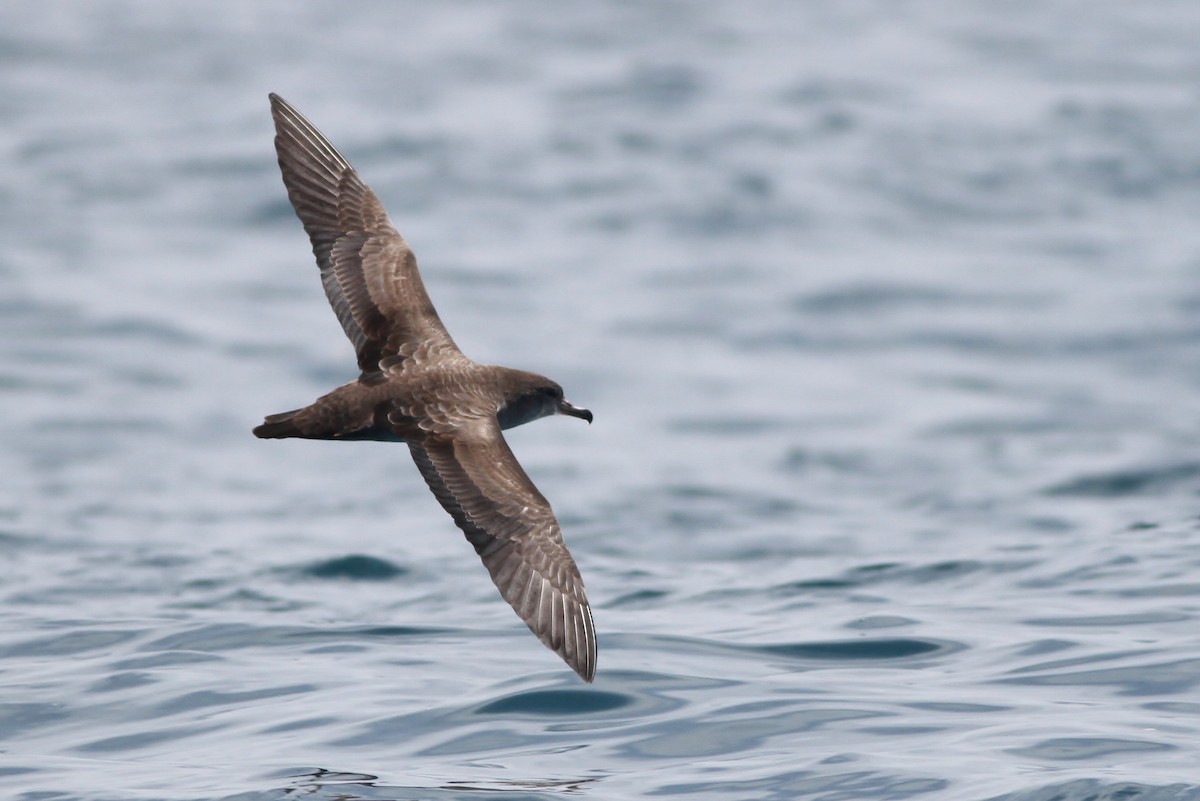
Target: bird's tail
{"points": [[279, 426]]}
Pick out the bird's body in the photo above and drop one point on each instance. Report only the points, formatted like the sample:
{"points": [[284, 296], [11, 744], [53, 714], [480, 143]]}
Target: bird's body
{"points": [[417, 387]]}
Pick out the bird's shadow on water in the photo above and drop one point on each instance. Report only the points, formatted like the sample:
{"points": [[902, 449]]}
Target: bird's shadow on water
{"points": [[320, 783]]}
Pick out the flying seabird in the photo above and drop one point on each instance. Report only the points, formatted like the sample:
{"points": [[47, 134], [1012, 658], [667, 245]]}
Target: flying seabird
{"points": [[416, 386]]}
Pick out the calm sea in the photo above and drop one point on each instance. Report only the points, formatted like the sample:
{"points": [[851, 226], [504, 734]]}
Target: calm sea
{"points": [[888, 312]]}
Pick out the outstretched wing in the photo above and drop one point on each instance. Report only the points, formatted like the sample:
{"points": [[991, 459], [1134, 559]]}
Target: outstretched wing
{"points": [[475, 476], [369, 273]]}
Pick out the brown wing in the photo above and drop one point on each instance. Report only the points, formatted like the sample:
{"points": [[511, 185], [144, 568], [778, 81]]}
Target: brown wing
{"points": [[480, 483], [369, 273]]}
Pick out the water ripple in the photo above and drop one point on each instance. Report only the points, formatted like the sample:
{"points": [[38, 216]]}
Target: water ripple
{"points": [[888, 316], [1099, 790]]}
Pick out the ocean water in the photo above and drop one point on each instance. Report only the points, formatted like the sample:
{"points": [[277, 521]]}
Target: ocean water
{"points": [[888, 312]]}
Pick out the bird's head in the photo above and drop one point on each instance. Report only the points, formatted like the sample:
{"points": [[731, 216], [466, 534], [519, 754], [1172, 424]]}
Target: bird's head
{"points": [[530, 396]]}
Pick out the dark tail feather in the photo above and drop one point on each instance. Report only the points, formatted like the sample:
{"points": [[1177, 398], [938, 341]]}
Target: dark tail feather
{"points": [[279, 426]]}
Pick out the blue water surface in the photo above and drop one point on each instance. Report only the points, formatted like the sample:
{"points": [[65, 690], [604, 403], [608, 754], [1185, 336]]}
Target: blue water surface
{"points": [[888, 312]]}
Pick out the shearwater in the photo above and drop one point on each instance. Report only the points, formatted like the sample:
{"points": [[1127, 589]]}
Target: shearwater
{"points": [[418, 387]]}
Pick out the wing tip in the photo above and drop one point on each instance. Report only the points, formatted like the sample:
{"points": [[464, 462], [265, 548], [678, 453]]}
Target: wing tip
{"points": [[580, 652], [279, 106], [587, 672]]}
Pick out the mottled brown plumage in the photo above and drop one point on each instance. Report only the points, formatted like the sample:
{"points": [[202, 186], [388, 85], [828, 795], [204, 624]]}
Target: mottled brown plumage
{"points": [[416, 386]]}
